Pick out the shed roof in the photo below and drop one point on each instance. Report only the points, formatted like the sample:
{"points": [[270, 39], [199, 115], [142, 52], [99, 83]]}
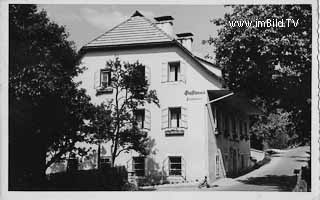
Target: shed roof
{"points": [[235, 100]]}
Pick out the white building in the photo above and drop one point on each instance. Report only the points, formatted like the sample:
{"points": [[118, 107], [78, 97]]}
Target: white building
{"points": [[193, 138]]}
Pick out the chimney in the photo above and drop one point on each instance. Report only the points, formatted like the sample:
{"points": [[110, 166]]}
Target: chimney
{"points": [[166, 24], [186, 39]]}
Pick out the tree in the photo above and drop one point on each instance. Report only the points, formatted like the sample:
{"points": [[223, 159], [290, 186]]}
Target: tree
{"points": [[118, 124], [272, 65], [46, 110], [275, 129]]}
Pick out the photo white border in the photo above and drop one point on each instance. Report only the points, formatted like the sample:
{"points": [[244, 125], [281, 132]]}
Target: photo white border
{"points": [[5, 194]]}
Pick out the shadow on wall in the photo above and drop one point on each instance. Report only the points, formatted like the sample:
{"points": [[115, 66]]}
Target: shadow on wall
{"points": [[284, 183]]}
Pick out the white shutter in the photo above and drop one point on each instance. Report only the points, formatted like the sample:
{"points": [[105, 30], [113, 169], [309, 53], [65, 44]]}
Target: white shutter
{"points": [[164, 118], [184, 117], [164, 74], [147, 74], [146, 172], [147, 119], [183, 72], [183, 168], [97, 76], [130, 165], [165, 167]]}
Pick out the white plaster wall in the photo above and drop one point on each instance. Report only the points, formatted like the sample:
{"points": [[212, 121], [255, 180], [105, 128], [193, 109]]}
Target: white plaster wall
{"points": [[192, 146]]}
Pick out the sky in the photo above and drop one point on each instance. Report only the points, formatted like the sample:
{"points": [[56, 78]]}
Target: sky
{"points": [[86, 22]]}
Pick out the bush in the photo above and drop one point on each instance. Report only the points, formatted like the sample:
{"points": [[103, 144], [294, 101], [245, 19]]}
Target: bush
{"points": [[88, 180]]}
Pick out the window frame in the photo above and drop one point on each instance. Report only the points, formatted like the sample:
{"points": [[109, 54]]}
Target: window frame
{"points": [[143, 112], [108, 82], [172, 171], [143, 163], [177, 71], [102, 160], [178, 125]]}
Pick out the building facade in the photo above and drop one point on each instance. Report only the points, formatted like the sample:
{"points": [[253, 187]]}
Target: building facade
{"points": [[200, 128]]}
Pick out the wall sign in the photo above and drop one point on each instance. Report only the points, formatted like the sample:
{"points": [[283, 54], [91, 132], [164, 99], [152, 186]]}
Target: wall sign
{"points": [[193, 95], [193, 92]]}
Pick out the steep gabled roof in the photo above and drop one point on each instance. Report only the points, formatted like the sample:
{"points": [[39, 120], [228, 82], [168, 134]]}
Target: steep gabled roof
{"points": [[138, 31], [135, 30]]}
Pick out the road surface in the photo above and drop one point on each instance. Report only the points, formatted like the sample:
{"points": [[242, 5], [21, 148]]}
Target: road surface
{"points": [[277, 175]]}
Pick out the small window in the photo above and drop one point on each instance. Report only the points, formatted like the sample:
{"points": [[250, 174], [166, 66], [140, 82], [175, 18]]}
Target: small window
{"points": [[174, 71], [106, 161], [105, 78], [174, 117], [226, 124], [217, 166], [219, 122], [233, 125], [140, 115], [241, 128], [175, 166], [139, 166], [242, 162], [245, 128]]}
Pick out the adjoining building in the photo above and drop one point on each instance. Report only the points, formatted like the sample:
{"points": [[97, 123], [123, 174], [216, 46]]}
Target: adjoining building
{"points": [[200, 129]]}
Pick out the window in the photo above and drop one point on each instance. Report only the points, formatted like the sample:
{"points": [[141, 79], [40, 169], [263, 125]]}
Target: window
{"points": [[217, 166], [242, 162], [245, 128], [175, 166], [140, 115], [174, 71], [226, 125], [219, 121], [106, 161], [240, 127], [233, 125], [174, 120], [105, 79], [175, 117], [139, 166]]}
